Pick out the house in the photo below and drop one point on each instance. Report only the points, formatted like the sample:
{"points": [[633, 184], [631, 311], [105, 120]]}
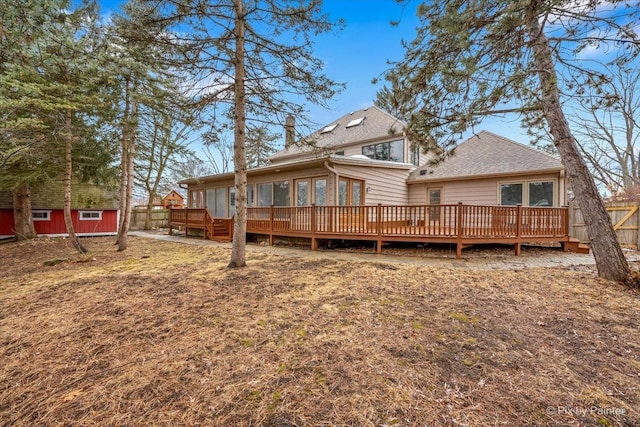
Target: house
{"points": [[363, 158], [173, 200], [363, 179], [94, 210], [488, 169]]}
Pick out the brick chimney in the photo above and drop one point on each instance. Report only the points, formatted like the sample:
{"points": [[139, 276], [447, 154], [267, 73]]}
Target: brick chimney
{"points": [[289, 131]]}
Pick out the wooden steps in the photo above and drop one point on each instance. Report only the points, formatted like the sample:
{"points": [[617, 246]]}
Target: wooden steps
{"points": [[574, 245]]}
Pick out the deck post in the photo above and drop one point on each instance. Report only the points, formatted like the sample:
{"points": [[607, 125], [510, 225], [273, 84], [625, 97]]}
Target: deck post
{"points": [[314, 241], [568, 224], [270, 225], [170, 224], [186, 223], [518, 228], [459, 229], [379, 228]]}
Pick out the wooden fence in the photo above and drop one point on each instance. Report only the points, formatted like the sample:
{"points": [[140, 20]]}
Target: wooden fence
{"points": [[159, 218], [624, 216]]}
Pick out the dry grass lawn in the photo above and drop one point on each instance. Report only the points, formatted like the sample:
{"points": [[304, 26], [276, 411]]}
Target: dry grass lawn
{"points": [[164, 334]]}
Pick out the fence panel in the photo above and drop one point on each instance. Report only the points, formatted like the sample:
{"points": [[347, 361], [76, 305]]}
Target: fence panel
{"points": [[624, 217]]}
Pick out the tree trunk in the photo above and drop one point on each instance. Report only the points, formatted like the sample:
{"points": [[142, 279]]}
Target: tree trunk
{"points": [[22, 216], [147, 215], [126, 220], [610, 259], [68, 172], [124, 148], [238, 250]]}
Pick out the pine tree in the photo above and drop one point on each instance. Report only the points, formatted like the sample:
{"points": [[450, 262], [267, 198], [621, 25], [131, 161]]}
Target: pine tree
{"points": [[472, 59], [254, 61]]}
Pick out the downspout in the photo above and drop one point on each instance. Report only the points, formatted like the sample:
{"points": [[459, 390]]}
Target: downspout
{"points": [[337, 183], [562, 193]]}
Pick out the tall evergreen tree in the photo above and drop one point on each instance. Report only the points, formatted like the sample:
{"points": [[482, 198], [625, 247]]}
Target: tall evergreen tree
{"points": [[47, 95], [254, 59], [472, 59]]}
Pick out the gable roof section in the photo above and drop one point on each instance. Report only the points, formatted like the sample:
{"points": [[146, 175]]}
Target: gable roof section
{"points": [[487, 154], [359, 126]]}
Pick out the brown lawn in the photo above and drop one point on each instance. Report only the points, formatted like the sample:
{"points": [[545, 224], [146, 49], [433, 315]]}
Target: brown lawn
{"points": [[164, 334]]}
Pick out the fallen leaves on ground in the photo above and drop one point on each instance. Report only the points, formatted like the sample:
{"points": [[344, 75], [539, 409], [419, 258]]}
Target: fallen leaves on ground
{"points": [[164, 334]]}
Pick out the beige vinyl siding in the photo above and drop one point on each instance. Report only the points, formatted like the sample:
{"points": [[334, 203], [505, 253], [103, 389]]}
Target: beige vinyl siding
{"points": [[386, 186], [417, 194], [481, 191]]}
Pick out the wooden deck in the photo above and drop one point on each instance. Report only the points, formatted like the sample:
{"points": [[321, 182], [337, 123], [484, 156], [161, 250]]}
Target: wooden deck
{"points": [[458, 224]]}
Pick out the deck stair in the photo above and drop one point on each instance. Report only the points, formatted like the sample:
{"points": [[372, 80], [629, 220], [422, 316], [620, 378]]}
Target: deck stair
{"points": [[574, 245]]}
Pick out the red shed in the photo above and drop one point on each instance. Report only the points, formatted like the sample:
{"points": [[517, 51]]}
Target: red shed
{"points": [[94, 211]]}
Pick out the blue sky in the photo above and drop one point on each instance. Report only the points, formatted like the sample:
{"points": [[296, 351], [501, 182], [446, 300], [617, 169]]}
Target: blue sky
{"points": [[360, 52]]}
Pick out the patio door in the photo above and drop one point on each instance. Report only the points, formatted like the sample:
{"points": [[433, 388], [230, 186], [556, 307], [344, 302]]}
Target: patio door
{"points": [[350, 198]]}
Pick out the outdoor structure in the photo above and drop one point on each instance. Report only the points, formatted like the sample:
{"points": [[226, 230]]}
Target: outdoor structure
{"points": [[94, 210], [173, 200], [360, 178]]}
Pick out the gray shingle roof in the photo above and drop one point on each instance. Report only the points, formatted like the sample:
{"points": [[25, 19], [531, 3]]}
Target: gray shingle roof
{"points": [[376, 124], [488, 154]]}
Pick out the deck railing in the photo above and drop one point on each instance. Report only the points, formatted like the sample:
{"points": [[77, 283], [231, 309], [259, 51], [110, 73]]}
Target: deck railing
{"points": [[424, 220], [459, 223]]}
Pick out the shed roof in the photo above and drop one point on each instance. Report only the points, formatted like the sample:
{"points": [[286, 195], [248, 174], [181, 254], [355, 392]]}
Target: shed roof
{"points": [[50, 195], [487, 154], [368, 124]]}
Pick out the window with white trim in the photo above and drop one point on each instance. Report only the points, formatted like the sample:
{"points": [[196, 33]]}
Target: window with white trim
{"points": [[527, 193], [39, 215], [90, 215]]}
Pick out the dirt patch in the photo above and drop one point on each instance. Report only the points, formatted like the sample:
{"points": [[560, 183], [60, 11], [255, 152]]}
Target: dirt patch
{"points": [[165, 334]]}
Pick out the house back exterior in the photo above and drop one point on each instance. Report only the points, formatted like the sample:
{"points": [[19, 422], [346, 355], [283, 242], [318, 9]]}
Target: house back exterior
{"points": [[364, 158]]}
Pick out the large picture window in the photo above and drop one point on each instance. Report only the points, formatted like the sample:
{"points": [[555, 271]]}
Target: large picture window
{"points": [[527, 193], [392, 151]]}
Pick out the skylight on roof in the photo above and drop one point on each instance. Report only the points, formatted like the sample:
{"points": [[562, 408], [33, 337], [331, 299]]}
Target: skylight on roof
{"points": [[355, 122], [329, 128]]}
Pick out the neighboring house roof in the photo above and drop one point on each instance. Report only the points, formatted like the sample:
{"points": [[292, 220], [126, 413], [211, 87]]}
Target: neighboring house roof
{"points": [[368, 124], [173, 194], [487, 154], [50, 195], [303, 164]]}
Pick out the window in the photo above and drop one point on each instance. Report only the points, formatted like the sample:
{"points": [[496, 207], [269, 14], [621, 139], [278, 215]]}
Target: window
{"points": [[390, 151], [435, 198], [340, 153], [329, 128], [196, 199], [528, 193], [90, 215], [265, 194], [320, 191], [281, 193], [510, 194], [251, 195], [415, 154], [355, 122], [232, 201], [540, 193], [221, 203], [217, 202], [349, 192], [302, 193], [41, 215]]}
